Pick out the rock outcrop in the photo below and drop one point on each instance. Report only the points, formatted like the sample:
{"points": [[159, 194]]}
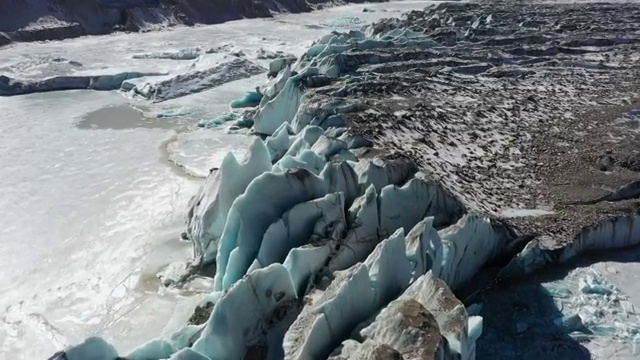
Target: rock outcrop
{"points": [[37, 20]]}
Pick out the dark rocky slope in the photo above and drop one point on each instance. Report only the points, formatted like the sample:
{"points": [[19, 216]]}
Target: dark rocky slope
{"points": [[36, 20]]}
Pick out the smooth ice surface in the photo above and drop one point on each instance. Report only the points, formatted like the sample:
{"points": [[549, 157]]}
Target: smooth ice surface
{"points": [[90, 215], [88, 218]]}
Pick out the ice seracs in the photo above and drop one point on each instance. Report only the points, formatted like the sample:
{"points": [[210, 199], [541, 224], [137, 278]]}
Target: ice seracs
{"points": [[252, 316], [276, 109], [247, 220], [425, 322], [403, 207], [303, 223], [210, 207]]}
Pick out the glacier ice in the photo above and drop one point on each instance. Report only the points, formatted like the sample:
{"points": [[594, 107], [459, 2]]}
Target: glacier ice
{"points": [[188, 354], [307, 159], [363, 234], [467, 246], [280, 141], [380, 174], [456, 253], [322, 113], [340, 177], [403, 207], [304, 262], [250, 99], [355, 141], [247, 220], [275, 85], [305, 140], [615, 233], [328, 147], [345, 303], [389, 269], [92, 348], [318, 217], [358, 293], [424, 248], [164, 348], [155, 349], [255, 312], [210, 207], [277, 65], [283, 107], [425, 322], [353, 296]]}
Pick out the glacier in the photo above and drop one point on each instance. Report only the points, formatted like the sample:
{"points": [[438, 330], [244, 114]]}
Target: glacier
{"points": [[327, 244]]}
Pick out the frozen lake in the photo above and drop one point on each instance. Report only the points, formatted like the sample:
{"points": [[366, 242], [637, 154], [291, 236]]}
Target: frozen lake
{"points": [[91, 204]]}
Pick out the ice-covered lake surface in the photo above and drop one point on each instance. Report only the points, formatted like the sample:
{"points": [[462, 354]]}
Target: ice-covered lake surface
{"points": [[94, 186]]}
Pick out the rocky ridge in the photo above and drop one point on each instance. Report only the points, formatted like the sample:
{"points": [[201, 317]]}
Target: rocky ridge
{"points": [[38, 20]]}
